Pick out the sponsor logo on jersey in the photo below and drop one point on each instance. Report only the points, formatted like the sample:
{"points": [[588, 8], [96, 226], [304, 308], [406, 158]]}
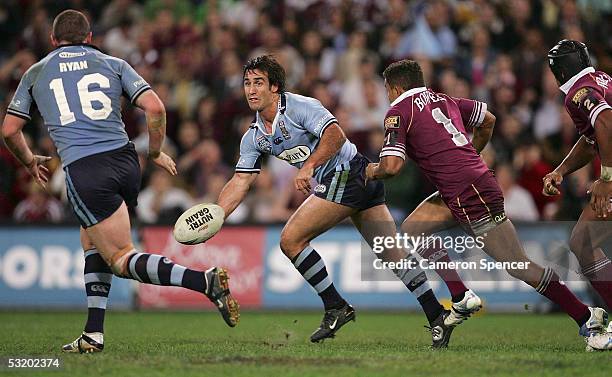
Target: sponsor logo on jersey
{"points": [[320, 189], [392, 122], [139, 82], [264, 144], [283, 128], [278, 140], [295, 154], [66, 55], [602, 80], [579, 94]]}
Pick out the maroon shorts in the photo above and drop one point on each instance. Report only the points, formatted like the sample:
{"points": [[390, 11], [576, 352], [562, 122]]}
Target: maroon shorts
{"points": [[480, 207]]}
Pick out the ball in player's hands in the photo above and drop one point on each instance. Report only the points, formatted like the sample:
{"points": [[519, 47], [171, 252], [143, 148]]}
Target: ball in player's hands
{"points": [[199, 223]]}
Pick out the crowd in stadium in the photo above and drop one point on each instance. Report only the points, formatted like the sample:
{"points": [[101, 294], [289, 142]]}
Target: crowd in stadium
{"points": [[192, 52]]}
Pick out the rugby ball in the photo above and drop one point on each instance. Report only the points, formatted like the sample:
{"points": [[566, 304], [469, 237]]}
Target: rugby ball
{"points": [[198, 224]]}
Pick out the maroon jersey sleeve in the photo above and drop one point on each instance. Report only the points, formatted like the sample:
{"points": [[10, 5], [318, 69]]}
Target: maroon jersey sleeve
{"points": [[472, 112], [396, 128], [586, 104]]}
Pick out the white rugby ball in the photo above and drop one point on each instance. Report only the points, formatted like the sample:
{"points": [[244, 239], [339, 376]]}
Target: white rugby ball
{"points": [[198, 224]]}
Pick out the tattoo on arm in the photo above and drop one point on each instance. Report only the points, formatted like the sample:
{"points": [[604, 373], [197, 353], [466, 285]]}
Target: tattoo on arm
{"points": [[157, 131]]}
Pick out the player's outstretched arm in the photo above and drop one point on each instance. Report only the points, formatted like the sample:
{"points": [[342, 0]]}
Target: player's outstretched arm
{"points": [[581, 154], [155, 113], [601, 191], [331, 141], [484, 132], [15, 141], [235, 191]]}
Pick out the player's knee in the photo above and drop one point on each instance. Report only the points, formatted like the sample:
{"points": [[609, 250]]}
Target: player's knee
{"points": [[119, 264], [289, 245], [577, 240]]}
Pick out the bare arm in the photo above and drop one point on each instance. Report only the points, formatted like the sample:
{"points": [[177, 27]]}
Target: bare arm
{"points": [[15, 141], [581, 154], [483, 133], [235, 191], [388, 167], [601, 190], [155, 113], [603, 134], [331, 141]]}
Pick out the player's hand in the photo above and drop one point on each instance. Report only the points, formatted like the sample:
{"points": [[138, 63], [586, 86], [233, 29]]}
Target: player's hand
{"points": [[165, 162], [551, 182], [302, 179], [38, 170], [369, 172], [601, 193]]}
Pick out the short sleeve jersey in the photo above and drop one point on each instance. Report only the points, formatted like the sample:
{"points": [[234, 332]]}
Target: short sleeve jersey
{"points": [[78, 91], [588, 94], [296, 130], [431, 128]]}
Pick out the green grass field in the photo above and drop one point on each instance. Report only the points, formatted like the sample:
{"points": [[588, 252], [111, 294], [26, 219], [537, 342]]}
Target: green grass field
{"points": [[276, 344]]}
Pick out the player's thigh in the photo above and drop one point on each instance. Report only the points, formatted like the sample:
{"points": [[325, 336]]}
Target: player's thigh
{"points": [[312, 218], [431, 216], [375, 224], [112, 236], [503, 245], [589, 236]]}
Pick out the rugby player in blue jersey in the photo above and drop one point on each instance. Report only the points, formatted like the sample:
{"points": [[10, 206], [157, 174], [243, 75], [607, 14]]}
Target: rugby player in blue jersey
{"points": [[78, 91], [302, 132]]}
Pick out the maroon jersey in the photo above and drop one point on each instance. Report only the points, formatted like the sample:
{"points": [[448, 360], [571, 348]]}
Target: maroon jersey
{"points": [[587, 95], [431, 129]]}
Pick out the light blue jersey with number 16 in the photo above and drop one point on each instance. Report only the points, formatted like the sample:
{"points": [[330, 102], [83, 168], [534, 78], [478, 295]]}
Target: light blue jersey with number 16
{"points": [[78, 92]]}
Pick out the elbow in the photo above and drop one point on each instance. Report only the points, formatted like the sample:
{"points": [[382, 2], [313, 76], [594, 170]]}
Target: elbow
{"points": [[489, 122], [158, 110], [8, 131]]}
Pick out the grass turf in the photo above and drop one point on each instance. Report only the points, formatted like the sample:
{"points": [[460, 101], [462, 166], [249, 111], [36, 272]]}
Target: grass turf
{"points": [[276, 344]]}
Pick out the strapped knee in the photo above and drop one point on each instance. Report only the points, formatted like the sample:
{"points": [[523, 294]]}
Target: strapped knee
{"points": [[119, 261]]}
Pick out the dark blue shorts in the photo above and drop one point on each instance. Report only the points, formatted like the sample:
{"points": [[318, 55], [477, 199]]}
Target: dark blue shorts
{"points": [[347, 186], [98, 184]]}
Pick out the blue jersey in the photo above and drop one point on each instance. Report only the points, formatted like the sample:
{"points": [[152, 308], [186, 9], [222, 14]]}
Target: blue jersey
{"points": [[78, 90], [296, 131]]}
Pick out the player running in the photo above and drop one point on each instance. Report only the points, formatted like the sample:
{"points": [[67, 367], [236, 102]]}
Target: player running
{"points": [[430, 128], [587, 100], [78, 91], [302, 132]]}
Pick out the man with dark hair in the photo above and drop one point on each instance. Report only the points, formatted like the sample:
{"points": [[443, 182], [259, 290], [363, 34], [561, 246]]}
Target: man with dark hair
{"points": [[78, 91], [431, 129], [70, 26], [587, 100], [302, 132]]}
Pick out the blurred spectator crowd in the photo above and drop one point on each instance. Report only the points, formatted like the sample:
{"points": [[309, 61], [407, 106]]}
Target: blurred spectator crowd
{"points": [[192, 52]]}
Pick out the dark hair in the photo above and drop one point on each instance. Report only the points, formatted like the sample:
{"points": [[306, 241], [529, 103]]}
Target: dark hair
{"points": [[70, 26], [406, 74], [269, 65]]}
